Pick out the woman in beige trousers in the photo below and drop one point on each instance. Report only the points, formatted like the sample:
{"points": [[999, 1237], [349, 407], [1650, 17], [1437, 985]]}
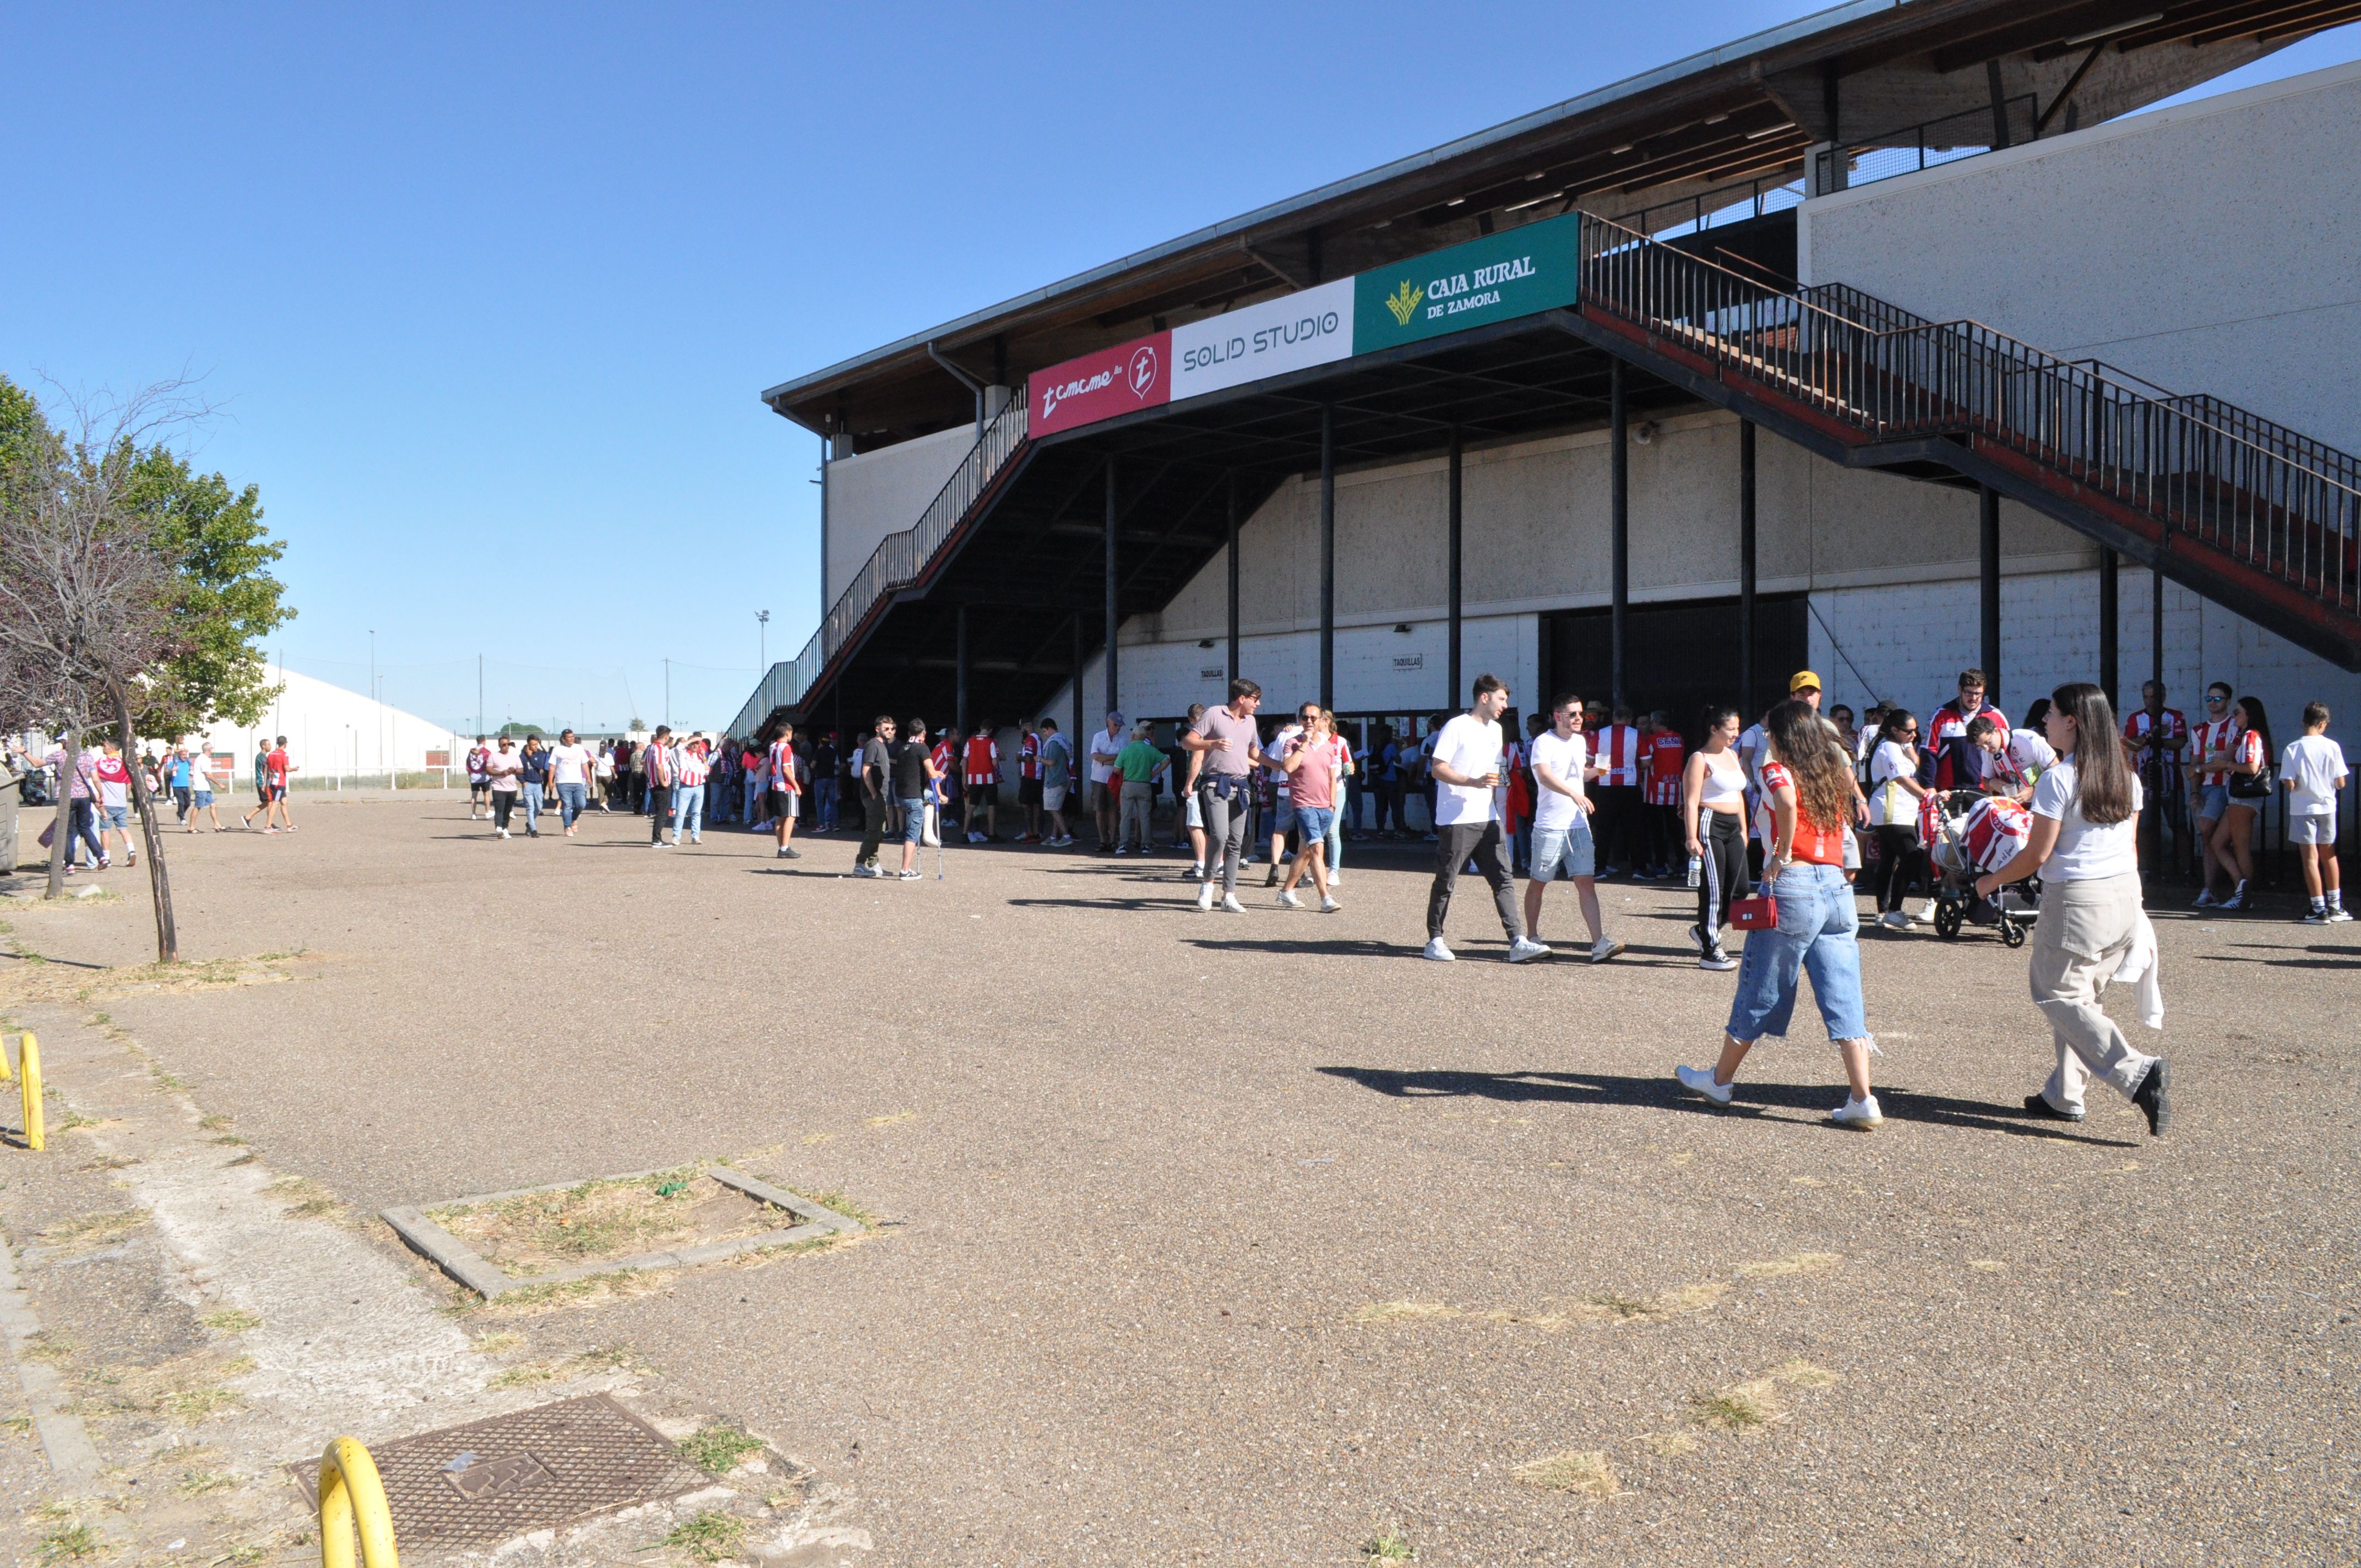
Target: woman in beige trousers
{"points": [[2084, 847]]}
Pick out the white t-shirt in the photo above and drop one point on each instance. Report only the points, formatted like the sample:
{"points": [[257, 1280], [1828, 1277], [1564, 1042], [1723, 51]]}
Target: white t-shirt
{"points": [[570, 764], [2315, 766], [1471, 746], [1892, 760], [2031, 752], [1565, 758], [1278, 749], [1104, 749], [2085, 853]]}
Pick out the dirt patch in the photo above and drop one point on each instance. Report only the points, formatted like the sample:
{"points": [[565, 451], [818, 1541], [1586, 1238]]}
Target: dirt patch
{"points": [[542, 1232]]}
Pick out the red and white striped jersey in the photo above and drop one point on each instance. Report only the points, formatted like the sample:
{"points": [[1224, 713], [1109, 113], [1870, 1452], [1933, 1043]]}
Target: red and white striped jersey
{"points": [[2211, 735], [2141, 725], [983, 760], [1664, 757], [694, 767], [1615, 749], [1029, 757]]}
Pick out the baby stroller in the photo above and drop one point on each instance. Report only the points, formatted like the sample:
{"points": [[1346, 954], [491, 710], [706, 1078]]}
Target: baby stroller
{"points": [[1972, 834]]}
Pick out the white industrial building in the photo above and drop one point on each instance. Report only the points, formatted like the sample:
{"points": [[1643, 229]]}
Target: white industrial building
{"points": [[333, 735]]}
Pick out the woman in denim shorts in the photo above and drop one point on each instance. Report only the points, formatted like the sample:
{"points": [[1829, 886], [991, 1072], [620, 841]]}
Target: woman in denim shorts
{"points": [[1811, 787]]}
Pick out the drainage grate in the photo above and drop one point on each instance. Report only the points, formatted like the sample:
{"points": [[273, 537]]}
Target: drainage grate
{"points": [[483, 1483]]}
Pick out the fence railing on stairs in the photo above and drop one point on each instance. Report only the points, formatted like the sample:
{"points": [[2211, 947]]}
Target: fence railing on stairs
{"points": [[898, 559], [2200, 469]]}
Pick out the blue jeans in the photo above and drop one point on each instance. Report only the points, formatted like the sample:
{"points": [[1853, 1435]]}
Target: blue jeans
{"points": [[824, 805], [1336, 835], [573, 800], [81, 826], [532, 803], [687, 809], [1817, 931]]}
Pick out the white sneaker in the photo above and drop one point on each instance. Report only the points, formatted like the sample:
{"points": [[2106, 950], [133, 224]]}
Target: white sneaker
{"points": [[2338, 915], [1699, 1080], [2236, 901], [1205, 895], [1329, 905], [1604, 948], [2205, 899], [1524, 948], [1718, 959], [1861, 1113], [866, 871], [914, 875], [1121, 850], [1924, 916], [1438, 952], [1336, 878], [1288, 900], [1896, 919], [1231, 906]]}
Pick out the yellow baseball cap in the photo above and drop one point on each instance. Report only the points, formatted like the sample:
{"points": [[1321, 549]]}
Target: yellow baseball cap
{"points": [[1804, 678]]}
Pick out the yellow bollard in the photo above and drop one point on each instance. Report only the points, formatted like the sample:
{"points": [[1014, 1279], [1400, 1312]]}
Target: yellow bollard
{"points": [[351, 1497], [6, 1072], [29, 1068]]}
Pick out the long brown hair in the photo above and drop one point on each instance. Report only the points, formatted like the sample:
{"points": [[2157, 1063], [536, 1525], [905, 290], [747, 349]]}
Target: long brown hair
{"points": [[1805, 743], [2103, 785]]}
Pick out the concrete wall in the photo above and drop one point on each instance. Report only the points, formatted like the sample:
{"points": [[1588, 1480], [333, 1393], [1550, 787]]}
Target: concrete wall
{"points": [[884, 492], [2210, 248]]}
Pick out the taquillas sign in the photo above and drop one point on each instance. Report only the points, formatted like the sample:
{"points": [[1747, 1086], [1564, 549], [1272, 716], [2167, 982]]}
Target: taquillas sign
{"points": [[1499, 278]]}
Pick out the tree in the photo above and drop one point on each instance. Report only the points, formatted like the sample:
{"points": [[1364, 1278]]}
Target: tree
{"points": [[224, 601]]}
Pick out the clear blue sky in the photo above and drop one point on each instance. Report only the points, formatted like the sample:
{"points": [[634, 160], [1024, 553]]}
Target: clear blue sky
{"points": [[489, 291]]}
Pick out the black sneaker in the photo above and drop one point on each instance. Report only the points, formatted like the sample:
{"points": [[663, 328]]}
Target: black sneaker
{"points": [[2037, 1106], [2153, 1098]]}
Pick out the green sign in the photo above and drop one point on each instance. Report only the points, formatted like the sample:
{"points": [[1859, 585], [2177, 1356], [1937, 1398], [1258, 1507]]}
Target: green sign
{"points": [[1497, 278]]}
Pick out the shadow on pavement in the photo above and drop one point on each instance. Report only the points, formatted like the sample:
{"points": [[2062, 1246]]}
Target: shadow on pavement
{"points": [[1663, 1093]]}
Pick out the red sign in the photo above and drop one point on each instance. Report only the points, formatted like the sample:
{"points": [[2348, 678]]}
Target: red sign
{"points": [[1137, 374]]}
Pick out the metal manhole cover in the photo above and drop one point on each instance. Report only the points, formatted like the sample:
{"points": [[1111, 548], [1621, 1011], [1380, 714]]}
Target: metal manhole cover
{"points": [[483, 1482]]}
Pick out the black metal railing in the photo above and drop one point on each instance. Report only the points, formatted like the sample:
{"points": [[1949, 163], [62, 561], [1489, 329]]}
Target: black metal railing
{"points": [[2200, 469], [1906, 150], [898, 559], [1735, 203]]}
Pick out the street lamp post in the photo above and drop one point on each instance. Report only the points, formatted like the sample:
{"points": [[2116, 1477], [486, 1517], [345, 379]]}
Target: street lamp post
{"points": [[762, 644]]}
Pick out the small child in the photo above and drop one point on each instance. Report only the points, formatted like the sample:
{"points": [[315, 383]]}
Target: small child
{"points": [[2312, 769]]}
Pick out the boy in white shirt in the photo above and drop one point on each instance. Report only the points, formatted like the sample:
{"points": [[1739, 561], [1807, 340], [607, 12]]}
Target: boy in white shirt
{"points": [[1466, 770], [2312, 769]]}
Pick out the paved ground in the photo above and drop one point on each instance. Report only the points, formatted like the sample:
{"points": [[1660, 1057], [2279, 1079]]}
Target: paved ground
{"points": [[1251, 1239]]}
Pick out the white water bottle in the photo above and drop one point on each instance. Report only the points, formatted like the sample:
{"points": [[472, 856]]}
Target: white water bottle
{"points": [[1696, 870]]}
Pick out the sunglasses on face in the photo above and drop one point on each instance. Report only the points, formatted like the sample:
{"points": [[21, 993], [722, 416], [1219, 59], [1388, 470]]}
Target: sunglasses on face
{"points": [[2215, 701]]}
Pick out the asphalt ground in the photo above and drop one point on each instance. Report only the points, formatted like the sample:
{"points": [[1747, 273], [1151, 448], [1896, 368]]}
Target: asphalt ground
{"points": [[1252, 1239]]}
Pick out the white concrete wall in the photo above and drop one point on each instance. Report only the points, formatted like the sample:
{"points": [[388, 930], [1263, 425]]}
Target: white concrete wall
{"points": [[2212, 248], [884, 492]]}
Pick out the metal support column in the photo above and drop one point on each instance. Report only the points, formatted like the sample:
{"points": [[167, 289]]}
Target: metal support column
{"points": [[1074, 737], [1111, 623], [1234, 575], [1327, 556], [1746, 571], [1619, 506], [959, 706], [1457, 695], [2108, 615], [1988, 502], [2156, 627]]}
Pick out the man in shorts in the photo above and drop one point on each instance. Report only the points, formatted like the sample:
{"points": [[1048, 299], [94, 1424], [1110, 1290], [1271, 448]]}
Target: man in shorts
{"points": [[782, 795], [1057, 781], [981, 760], [114, 804], [1029, 780], [479, 780], [1563, 847], [915, 776], [275, 769], [2312, 771], [1105, 788], [201, 788], [2209, 787]]}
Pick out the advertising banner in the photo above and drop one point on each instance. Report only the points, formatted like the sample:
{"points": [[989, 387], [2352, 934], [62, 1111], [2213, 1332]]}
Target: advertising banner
{"points": [[1312, 327], [1136, 375], [1499, 277]]}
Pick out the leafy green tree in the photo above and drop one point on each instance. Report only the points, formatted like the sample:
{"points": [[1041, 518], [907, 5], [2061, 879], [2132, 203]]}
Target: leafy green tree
{"points": [[224, 600]]}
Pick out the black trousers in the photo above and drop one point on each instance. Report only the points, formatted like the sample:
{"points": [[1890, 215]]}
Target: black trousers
{"points": [[1899, 858], [501, 805], [1666, 842], [659, 810], [1722, 880], [1481, 839], [873, 816], [1616, 827]]}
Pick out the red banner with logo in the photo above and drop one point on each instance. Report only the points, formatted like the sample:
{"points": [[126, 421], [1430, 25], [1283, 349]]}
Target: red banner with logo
{"points": [[1136, 375]]}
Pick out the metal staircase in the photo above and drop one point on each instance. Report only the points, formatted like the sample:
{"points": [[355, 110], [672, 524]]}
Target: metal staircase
{"points": [[897, 563], [2241, 510]]}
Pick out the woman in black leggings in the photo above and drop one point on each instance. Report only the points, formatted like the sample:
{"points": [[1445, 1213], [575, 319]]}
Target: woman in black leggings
{"points": [[1713, 805], [1894, 793]]}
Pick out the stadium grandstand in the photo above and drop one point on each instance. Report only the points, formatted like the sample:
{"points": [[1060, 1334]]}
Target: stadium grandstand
{"points": [[1881, 341]]}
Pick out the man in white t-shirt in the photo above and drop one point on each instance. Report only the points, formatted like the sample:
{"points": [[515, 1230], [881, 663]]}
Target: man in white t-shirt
{"points": [[2312, 769], [1107, 797], [1562, 838], [1466, 765], [1282, 813], [570, 768], [2014, 760]]}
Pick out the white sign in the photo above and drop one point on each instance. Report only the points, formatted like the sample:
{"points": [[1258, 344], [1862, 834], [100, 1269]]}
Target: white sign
{"points": [[1313, 327], [1410, 661]]}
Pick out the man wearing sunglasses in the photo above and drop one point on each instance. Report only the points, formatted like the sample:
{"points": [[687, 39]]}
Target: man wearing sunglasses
{"points": [[1232, 748]]}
